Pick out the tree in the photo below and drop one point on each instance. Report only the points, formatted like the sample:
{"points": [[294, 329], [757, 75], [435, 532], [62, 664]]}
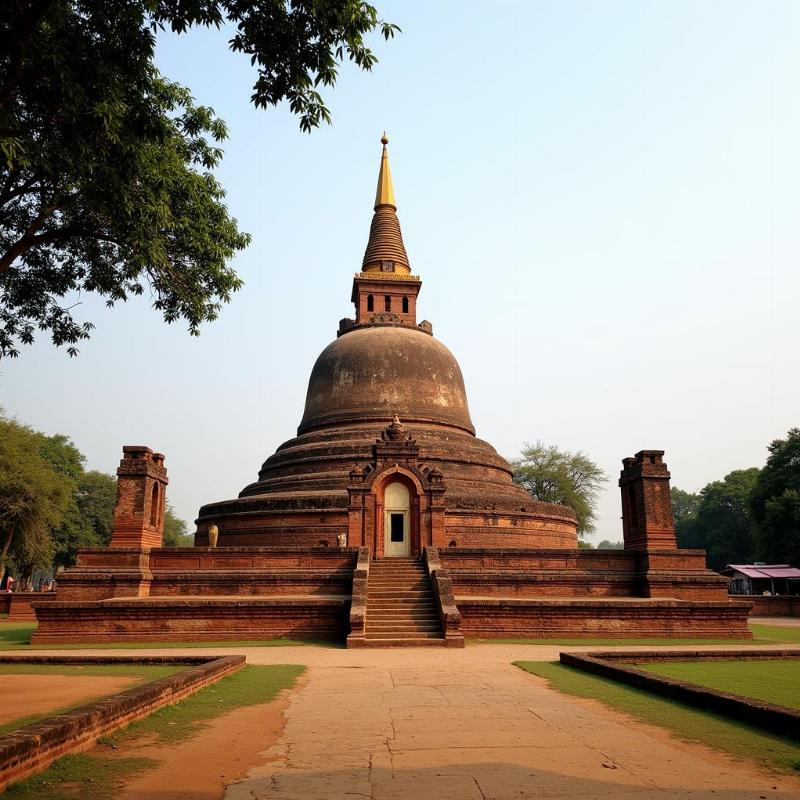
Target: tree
{"points": [[775, 502], [33, 499], [722, 524], [89, 518], [175, 530], [609, 545], [557, 476], [684, 504], [105, 165]]}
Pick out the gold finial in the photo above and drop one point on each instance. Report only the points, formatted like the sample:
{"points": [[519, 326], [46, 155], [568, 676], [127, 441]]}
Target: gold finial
{"points": [[385, 193]]}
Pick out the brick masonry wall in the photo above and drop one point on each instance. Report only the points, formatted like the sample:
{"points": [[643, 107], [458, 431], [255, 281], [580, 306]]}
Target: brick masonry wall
{"points": [[771, 606], [33, 748], [492, 618], [193, 619]]}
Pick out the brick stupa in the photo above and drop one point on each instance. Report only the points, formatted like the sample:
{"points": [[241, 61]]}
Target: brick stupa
{"points": [[386, 521]]}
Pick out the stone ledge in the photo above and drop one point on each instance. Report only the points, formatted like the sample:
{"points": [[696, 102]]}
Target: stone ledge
{"points": [[33, 748], [776, 719]]}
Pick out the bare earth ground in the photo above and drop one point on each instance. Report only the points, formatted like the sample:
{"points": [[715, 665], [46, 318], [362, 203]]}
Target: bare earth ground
{"points": [[200, 768], [26, 695], [431, 723]]}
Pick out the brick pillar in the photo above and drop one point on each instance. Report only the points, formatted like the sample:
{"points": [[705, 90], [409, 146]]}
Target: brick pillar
{"points": [[436, 508], [646, 504], [141, 499], [357, 492]]}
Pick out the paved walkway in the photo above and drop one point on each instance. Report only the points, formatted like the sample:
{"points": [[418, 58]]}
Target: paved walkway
{"points": [[431, 723]]}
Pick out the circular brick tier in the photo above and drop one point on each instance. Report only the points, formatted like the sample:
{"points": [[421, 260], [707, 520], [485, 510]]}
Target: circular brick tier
{"points": [[358, 384]]}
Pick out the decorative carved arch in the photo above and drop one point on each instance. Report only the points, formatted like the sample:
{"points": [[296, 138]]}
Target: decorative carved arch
{"points": [[395, 457], [378, 479]]}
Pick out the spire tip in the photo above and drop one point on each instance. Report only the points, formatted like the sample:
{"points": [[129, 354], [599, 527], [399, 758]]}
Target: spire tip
{"points": [[384, 139]]}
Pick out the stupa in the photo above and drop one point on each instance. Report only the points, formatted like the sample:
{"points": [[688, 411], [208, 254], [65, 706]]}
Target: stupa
{"points": [[386, 437], [385, 520]]}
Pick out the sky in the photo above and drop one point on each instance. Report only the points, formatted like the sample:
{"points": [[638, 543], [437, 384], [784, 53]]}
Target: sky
{"points": [[601, 198]]}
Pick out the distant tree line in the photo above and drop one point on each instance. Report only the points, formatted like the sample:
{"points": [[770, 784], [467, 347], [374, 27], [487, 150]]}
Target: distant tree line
{"points": [[750, 515], [51, 506]]}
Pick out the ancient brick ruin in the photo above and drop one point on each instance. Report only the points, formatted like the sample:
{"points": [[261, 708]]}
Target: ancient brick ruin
{"points": [[386, 520]]}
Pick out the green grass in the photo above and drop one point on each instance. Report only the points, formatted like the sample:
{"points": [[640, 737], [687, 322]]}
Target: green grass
{"points": [[772, 681], [248, 686], [143, 673], [14, 635], [98, 776], [79, 776], [773, 634], [17, 636], [687, 723]]}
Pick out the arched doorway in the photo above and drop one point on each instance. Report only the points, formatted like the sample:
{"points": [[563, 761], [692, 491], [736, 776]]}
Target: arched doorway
{"points": [[396, 519]]}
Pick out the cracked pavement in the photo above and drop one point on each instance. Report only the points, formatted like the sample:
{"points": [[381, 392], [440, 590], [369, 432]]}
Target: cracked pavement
{"points": [[430, 723]]}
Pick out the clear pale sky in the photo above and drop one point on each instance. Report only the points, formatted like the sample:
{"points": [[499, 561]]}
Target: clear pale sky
{"points": [[602, 200]]}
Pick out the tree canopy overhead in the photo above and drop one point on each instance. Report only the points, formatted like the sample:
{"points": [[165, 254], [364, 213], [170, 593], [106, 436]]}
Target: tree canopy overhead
{"points": [[106, 180], [557, 476]]}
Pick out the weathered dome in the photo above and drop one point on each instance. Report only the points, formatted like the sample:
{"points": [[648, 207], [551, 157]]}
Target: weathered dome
{"points": [[372, 373]]}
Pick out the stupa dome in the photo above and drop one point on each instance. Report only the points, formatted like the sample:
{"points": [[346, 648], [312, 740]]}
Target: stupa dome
{"points": [[373, 373]]}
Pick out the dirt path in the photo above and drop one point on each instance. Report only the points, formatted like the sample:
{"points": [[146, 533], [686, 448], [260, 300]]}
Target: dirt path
{"points": [[201, 767], [24, 696]]}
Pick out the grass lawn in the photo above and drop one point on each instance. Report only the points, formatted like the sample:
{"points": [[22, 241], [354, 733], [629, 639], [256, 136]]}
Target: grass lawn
{"points": [[92, 776], [143, 672], [772, 681], [17, 636], [685, 722]]}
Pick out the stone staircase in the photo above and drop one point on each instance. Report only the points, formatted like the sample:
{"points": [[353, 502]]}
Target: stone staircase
{"points": [[401, 607]]}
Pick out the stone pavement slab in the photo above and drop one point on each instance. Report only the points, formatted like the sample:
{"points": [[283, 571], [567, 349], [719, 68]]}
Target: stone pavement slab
{"points": [[389, 724]]}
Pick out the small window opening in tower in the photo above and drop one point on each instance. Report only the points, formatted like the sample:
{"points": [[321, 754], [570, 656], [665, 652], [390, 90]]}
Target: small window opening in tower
{"points": [[652, 459], [154, 506], [633, 517], [387, 302], [370, 303], [405, 305]]}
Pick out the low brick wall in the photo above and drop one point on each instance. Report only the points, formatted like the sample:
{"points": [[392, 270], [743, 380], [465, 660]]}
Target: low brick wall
{"points": [[193, 619], [34, 747], [624, 617], [19, 604], [771, 606], [519, 572], [776, 719]]}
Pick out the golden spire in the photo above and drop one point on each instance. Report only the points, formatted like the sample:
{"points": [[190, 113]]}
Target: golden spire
{"points": [[385, 194], [385, 250]]}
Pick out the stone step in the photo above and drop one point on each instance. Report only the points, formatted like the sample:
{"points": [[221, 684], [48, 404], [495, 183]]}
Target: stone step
{"points": [[376, 635], [416, 585], [375, 613], [403, 642], [397, 630], [385, 594], [417, 603], [395, 576], [424, 614]]}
